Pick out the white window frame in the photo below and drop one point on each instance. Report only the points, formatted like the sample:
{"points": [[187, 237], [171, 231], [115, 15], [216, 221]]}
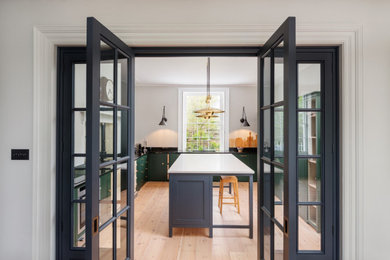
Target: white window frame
{"points": [[224, 116]]}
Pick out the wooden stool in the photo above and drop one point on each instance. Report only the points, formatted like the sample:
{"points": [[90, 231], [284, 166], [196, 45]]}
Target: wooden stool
{"points": [[233, 180]]}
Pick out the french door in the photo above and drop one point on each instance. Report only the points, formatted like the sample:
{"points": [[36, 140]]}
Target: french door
{"points": [[296, 159], [109, 145], [298, 137]]}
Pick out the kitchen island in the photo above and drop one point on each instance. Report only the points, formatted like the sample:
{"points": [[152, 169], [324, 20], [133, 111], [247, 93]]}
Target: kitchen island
{"points": [[190, 189]]}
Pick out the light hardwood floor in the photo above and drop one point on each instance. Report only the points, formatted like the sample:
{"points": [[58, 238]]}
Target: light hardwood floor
{"points": [[151, 230]]}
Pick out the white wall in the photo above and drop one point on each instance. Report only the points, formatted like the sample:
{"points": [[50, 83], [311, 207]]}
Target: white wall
{"points": [[151, 98], [17, 19]]}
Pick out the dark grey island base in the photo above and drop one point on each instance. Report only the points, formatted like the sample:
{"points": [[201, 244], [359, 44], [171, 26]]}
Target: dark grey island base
{"points": [[191, 202]]}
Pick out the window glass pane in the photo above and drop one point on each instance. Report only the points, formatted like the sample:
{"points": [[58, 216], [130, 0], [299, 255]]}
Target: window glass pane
{"points": [[106, 242], [267, 132], [105, 194], [80, 85], [202, 134], [79, 178], [107, 73], [78, 225], [106, 133], [267, 187], [309, 85], [278, 191], [278, 245], [267, 237], [278, 134], [79, 131], [278, 76], [122, 79], [309, 176], [267, 80], [122, 188], [122, 137], [309, 228], [79, 191], [309, 134], [121, 242]]}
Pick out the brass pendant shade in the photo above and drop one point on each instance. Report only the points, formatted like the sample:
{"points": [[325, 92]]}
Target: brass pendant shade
{"points": [[208, 112]]}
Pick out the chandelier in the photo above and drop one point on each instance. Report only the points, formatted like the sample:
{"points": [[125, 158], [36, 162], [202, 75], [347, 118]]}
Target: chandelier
{"points": [[208, 112]]}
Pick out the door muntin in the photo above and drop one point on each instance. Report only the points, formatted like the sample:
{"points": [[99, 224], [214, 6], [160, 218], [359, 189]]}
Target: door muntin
{"points": [[276, 124], [109, 144]]}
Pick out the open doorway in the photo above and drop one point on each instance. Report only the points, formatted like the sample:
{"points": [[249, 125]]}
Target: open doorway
{"points": [[179, 85], [113, 234]]}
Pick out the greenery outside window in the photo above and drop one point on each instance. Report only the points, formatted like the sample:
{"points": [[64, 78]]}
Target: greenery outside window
{"points": [[197, 134]]}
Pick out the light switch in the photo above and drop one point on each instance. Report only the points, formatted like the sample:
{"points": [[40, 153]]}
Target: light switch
{"points": [[20, 154]]}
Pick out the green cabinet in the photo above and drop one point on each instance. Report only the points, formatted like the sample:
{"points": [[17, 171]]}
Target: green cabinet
{"points": [[250, 159], [105, 183], [159, 164], [157, 167], [142, 171], [172, 158]]}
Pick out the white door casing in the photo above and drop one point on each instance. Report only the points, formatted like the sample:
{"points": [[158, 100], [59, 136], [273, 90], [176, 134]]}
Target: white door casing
{"points": [[348, 37]]}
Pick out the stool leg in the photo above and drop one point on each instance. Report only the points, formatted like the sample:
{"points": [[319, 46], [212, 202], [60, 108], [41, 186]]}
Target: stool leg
{"points": [[238, 198], [234, 194], [221, 197], [219, 194]]}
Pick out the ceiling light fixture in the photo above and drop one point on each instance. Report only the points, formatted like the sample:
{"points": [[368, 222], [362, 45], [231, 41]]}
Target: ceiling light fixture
{"points": [[208, 112]]}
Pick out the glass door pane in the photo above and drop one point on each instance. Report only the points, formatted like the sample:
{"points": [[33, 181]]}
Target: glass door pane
{"points": [[109, 145], [310, 157], [277, 60]]}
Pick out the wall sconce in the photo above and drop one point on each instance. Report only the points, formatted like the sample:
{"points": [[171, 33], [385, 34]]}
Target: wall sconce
{"points": [[243, 120], [163, 118]]}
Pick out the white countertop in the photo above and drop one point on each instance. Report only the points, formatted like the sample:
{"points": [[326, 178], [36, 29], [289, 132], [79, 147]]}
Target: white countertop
{"points": [[209, 164]]}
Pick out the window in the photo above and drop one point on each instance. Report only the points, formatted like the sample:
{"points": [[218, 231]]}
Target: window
{"points": [[198, 134]]}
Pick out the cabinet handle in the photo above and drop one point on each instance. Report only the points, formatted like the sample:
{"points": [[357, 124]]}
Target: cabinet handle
{"points": [[162, 163]]}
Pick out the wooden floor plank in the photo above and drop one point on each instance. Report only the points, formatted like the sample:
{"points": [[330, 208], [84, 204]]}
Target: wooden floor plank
{"points": [[151, 229]]}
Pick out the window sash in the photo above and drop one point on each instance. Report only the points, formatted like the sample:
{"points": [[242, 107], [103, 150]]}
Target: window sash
{"points": [[222, 125]]}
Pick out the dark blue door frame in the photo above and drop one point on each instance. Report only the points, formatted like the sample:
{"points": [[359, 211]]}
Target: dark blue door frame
{"points": [[96, 35], [70, 55]]}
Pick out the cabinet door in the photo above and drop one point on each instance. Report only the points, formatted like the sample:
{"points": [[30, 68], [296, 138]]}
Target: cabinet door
{"points": [[172, 158], [190, 200], [157, 167], [142, 171], [250, 159]]}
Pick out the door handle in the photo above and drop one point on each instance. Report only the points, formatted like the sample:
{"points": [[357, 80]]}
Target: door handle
{"points": [[285, 227], [95, 225]]}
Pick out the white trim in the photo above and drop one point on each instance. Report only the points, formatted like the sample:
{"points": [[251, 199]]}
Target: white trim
{"points": [[225, 107], [352, 139], [44, 147]]}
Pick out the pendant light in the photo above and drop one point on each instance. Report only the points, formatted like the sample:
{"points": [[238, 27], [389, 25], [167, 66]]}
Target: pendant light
{"points": [[208, 112], [163, 118], [244, 120]]}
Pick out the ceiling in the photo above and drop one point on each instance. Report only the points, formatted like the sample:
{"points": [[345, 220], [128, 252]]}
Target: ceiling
{"points": [[192, 71], [223, 71]]}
